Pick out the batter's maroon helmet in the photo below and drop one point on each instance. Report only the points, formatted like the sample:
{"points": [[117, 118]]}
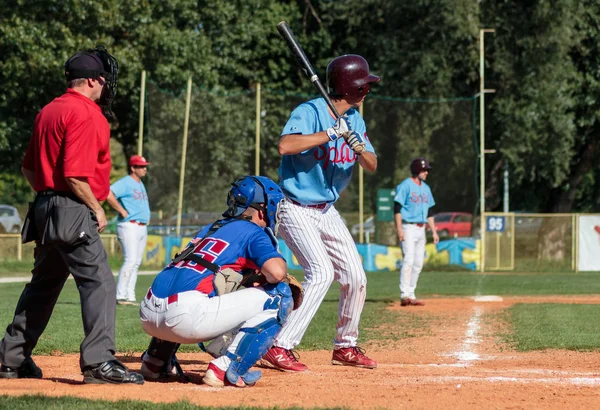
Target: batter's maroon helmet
{"points": [[419, 165], [348, 76]]}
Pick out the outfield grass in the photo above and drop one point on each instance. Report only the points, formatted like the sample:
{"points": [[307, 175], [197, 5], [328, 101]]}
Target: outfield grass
{"points": [[64, 332], [10, 268], [554, 326]]}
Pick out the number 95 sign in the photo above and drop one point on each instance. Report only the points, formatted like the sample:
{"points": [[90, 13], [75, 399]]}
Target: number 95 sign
{"points": [[495, 224]]}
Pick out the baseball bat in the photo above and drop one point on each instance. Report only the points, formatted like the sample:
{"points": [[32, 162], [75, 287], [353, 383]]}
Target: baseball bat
{"points": [[306, 66]]}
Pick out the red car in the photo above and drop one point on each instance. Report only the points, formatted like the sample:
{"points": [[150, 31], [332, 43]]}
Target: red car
{"points": [[453, 224]]}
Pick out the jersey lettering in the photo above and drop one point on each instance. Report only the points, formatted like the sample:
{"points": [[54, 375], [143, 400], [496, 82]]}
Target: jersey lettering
{"points": [[341, 155], [419, 199], [209, 249]]}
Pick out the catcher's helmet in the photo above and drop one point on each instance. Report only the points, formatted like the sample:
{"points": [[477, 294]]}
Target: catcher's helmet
{"points": [[348, 76], [256, 192], [419, 165]]}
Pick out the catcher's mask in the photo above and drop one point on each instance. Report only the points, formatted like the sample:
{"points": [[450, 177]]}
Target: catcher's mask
{"points": [[256, 192], [95, 63]]}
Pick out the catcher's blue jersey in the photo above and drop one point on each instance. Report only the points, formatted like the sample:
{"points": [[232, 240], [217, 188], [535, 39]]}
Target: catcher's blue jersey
{"points": [[319, 174], [238, 244]]}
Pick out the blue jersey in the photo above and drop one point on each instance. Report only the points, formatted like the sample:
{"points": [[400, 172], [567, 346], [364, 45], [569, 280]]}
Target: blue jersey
{"points": [[132, 196], [238, 244], [415, 200], [319, 174]]}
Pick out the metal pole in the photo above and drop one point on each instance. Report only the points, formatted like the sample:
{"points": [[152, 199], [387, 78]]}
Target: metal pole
{"points": [[506, 203], [361, 202], [257, 146], [482, 150], [141, 120], [183, 153]]}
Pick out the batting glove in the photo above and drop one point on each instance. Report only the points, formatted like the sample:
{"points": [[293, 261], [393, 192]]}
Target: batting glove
{"points": [[355, 142], [341, 126]]}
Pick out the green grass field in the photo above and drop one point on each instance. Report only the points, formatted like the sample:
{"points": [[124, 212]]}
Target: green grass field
{"points": [[30, 402], [531, 326], [557, 326]]}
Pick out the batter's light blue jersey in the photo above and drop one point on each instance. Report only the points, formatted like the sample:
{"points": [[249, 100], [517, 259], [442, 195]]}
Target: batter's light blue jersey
{"points": [[319, 174], [133, 197], [415, 200]]}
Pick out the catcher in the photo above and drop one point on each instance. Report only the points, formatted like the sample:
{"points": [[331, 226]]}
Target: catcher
{"points": [[192, 299]]}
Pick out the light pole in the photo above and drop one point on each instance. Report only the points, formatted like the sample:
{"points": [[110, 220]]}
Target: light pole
{"points": [[482, 150]]}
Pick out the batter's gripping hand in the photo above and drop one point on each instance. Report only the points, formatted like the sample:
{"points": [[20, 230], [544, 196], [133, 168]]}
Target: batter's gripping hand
{"points": [[297, 290], [341, 126], [355, 142]]}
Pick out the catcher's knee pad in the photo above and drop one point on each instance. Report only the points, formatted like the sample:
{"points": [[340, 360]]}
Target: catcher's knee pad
{"points": [[159, 360], [282, 300], [254, 344]]}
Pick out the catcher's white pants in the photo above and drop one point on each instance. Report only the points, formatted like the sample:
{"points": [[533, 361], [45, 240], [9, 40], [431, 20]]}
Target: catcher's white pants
{"points": [[413, 251], [194, 317], [132, 238], [326, 251]]}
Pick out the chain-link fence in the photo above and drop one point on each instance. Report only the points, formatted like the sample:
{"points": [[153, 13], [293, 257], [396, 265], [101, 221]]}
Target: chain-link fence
{"points": [[221, 147]]}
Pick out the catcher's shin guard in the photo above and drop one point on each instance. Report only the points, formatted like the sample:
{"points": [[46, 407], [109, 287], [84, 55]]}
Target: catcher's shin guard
{"points": [[257, 340], [159, 360], [253, 345]]}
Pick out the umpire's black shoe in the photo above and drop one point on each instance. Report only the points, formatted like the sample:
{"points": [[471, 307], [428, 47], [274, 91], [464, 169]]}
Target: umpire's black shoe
{"points": [[27, 370], [112, 371]]}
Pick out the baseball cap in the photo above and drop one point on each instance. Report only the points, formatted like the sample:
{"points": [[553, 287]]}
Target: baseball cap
{"points": [[84, 65], [137, 160]]}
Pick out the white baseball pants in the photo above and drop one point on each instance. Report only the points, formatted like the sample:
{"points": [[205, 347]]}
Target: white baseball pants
{"points": [[194, 317], [326, 251], [413, 251], [132, 238]]}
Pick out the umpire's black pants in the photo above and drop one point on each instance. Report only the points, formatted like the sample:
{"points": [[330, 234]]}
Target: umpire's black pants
{"points": [[67, 241]]}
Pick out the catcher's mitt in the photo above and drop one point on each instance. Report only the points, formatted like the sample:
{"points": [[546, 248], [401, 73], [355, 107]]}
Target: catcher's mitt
{"points": [[297, 290]]}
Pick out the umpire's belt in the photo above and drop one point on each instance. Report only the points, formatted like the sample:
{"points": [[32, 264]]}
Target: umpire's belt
{"points": [[171, 299], [67, 194], [316, 206]]}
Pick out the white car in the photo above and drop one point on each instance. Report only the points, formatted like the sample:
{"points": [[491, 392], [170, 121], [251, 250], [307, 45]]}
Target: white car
{"points": [[10, 221]]}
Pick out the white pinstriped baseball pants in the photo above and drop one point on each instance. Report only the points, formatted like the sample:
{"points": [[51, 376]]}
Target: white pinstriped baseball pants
{"points": [[326, 251]]}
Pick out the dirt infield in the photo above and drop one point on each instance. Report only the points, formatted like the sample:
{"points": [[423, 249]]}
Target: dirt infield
{"points": [[460, 363]]}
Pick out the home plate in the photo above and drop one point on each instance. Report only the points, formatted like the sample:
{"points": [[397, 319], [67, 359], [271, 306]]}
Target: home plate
{"points": [[487, 298]]}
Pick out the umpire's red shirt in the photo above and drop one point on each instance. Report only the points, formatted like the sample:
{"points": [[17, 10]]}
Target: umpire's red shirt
{"points": [[71, 138]]}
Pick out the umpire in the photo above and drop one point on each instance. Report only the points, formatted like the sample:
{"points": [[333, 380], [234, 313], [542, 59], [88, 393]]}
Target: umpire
{"points": [[68, 164]]}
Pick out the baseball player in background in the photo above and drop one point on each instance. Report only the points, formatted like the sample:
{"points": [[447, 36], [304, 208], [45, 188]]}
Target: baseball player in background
{"points": [[129, 198], [190, 300], [412, 211], [318, 156]]}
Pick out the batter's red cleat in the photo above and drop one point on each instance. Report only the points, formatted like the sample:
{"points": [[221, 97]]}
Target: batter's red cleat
{"points": [[283, 359], [352, 356], [215, 377]]}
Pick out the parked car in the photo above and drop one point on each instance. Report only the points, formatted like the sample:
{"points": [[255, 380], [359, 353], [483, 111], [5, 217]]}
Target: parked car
{"points": [[10, 221], [453, 224]]}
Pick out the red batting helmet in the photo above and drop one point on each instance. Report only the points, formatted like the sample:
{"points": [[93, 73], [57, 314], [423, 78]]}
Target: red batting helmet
{"points": [[348, 76], [419, 165]]}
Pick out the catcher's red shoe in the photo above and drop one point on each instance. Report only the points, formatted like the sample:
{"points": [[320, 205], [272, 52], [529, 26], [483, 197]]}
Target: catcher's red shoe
{"points": [[283, 359], [352, 356], [215, 377]]}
